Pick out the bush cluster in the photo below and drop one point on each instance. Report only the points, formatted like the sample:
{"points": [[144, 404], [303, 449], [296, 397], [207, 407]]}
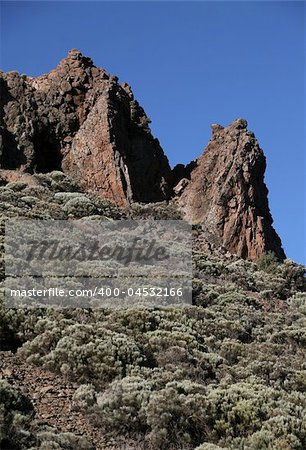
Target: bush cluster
{"points": [[227, 372], [55, 196], [229, 375]]}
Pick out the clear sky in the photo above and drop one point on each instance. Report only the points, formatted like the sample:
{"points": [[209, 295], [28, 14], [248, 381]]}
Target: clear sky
{"points": [[190, 64]]}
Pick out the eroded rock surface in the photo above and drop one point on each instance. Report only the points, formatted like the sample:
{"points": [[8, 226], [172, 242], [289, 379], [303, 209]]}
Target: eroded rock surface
{"points": [[227, 194], [78, 119]]}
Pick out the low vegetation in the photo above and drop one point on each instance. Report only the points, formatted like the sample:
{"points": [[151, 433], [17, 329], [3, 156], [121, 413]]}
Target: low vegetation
{"points": [[19, 430], [225, 373]]}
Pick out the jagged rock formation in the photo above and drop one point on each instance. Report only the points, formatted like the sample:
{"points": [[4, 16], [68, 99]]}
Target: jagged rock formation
{"points": [[80, 120], [226, 193]]}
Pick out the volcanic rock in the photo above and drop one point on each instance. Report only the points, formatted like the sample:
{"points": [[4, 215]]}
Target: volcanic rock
{"points": [[227, 195], [78, 119]]}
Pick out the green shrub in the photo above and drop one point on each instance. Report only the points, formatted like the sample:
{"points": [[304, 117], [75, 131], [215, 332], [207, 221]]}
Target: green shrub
{"points": [[177, 415], [85, 352], [237, 409], [53, 440], [14, 417], [268, 262], [84, 397], [208, 446], [79, 207], [121, 408], [173, 415]]}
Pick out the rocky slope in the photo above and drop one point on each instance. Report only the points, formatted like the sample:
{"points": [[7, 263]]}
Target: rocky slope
{"points": [[79, 120], [227, 373], [51, 398]]}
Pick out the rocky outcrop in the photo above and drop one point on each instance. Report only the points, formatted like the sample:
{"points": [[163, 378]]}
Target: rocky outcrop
{"points": [[80, 120], [227, 195]]}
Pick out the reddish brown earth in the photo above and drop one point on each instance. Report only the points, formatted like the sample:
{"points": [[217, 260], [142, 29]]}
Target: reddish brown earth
{"points": [[51, 396]]}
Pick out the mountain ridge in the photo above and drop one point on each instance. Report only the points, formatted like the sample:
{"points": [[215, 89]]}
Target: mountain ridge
{"points": [[79, 120]]}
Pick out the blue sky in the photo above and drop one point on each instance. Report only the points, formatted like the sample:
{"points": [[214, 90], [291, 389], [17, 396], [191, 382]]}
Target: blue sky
{"points": [[190, 64]]}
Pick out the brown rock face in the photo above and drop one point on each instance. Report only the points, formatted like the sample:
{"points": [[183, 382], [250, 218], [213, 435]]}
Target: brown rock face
{"points": [[78, 119], [228, 196]]}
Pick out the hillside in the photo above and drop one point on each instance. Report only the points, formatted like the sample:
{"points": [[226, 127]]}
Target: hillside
{"points": [[227, 372]]}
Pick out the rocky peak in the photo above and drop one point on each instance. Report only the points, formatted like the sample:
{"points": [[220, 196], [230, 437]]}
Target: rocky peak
{"points": [[78, 119], [227, 195]]}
